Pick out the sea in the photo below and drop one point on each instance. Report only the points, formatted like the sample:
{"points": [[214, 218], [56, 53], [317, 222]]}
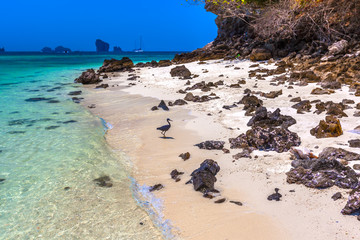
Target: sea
{"points": [[52, 149]]}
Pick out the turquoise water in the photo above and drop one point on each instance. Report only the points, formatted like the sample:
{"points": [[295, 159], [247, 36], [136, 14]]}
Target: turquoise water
{"points": [[51, 149]]}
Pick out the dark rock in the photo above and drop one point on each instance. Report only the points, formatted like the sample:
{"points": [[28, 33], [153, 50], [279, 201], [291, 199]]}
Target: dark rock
{"points": [[260, 54], [53, 101], [76, 99], [272, 94], [113, 65], [237, 203], [251, 103], [102, 85], [297, 99], [228, 107], [356, 166], [101, 46], [336, 196], [103, 181], [268, 139], [162, 105], [156, 187], [88, 77], [302, 106], [357, 114], [354, 143], [117, 49], [320, 91], [189, 97], [154, 108], [179, 102], [236, 85], [16, 132], [353, 203], [222, 200], [185, 156], [263, 118], [175, 175], [180, 71], [74, 93], [70, 121], [225, 150], [51, 127], [329, 128], [38, 99], [164, 63], [92, 106], [211, 145], [2, 180], [66, 188], [244, 154], [331, 153], [204, 178], [331, 84], [275, 196]]}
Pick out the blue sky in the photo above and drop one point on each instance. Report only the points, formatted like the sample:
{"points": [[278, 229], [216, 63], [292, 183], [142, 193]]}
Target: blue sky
{"points": [[29, 25]]}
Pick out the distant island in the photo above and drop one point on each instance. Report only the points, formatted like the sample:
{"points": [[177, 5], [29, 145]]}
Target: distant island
{"points": [[2, 50], [117, 49], [58, 49], [101, 46]]}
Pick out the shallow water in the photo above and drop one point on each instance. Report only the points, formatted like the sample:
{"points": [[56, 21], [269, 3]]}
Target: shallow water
{"points": [[49, 144]]}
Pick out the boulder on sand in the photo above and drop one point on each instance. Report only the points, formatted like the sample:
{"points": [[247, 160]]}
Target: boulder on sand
{"points": [[88, 77]]}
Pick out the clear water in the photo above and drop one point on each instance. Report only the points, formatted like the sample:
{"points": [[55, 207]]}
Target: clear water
{"points": [[48, 145]]}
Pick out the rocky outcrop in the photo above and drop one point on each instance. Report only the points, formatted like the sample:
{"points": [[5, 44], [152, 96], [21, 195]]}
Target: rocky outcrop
{"points": [[267, 139], [260, 54], [101, 46], [113, 65], [88, 77]]}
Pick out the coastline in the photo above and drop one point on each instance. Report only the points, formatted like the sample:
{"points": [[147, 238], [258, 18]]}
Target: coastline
{"points": [[192, 216]]}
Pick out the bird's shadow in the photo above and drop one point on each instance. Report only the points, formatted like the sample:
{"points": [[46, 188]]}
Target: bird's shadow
{"points": [[167, 137]]}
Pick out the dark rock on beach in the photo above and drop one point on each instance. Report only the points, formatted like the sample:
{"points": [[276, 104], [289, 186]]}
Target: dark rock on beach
{"points": [[251, 103], [88, 77], [179, 102], [180, 71], [175, 174], [263, 118], [104, 181], [37, 99], [331, 127], [163, 106], [204, 178], [211, 145], [104, 85], [353, 203], [336, 196], [185, 156], [302, 106], [154, 108], [275, 196], [156, 187], [221, 200], [354, 143]]}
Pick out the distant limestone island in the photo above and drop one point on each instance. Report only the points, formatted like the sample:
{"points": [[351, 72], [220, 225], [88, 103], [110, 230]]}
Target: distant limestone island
{"points": [[2, 50], [101, 47]]}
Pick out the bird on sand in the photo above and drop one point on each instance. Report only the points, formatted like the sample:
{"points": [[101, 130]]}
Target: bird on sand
{"points": [[165, 128]]}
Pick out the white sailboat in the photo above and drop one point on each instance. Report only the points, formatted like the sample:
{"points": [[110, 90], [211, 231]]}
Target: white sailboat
{"points": [[139, 50]]}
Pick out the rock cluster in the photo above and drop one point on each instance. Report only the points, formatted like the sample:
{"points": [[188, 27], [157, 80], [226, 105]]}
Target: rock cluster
{"points": [[104, 181], [251, 103], [263, 118], [191, 98], [268, 139], [324, 171], [113, 65]]}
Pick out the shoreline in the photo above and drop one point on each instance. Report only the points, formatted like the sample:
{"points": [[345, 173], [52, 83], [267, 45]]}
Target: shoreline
{"points": [[264, 176]]}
